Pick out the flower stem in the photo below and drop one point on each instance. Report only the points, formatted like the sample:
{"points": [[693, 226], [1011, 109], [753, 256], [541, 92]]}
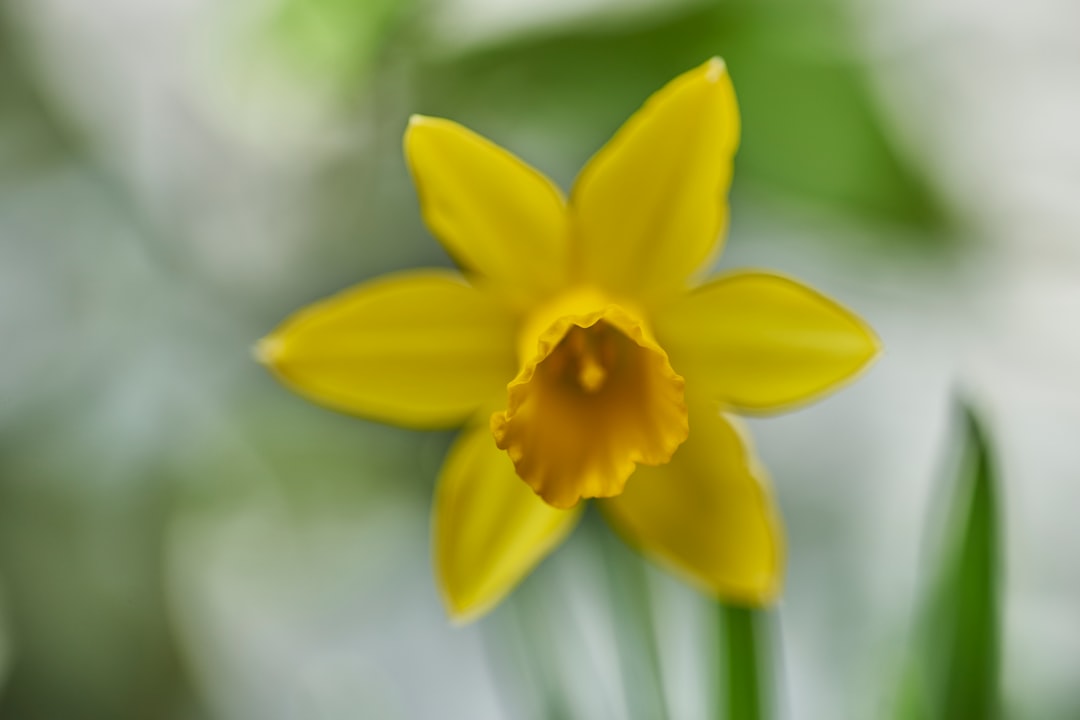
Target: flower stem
{"points": [[743, 668]]}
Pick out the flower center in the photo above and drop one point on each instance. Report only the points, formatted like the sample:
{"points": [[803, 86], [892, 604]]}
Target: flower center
{"points": [[586, 356], [596, 397]]}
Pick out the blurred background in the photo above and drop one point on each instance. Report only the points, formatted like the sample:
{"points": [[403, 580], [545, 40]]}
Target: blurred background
{"points": [[180, 537]]}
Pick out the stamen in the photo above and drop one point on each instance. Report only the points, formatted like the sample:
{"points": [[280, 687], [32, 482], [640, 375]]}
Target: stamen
{"points": [[587, 357], [591, 374]]}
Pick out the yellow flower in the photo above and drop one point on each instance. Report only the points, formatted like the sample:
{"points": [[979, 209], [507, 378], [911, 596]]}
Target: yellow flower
{"points": [[580, 353]]}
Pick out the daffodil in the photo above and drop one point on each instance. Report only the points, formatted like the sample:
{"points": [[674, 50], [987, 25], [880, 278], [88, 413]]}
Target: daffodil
{"points": [[582, 352]]}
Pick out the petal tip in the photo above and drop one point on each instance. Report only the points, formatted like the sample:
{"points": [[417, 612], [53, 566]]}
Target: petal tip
{"points": [[268, 350], [876, 347], [464, 607], [761, 597], [758, 592], [715, 67], [559, 502], [417, 123], [873, 347], [461, 616]]}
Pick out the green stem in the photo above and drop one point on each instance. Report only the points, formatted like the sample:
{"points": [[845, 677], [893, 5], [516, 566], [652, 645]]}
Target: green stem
{"points": [[743, 668]]}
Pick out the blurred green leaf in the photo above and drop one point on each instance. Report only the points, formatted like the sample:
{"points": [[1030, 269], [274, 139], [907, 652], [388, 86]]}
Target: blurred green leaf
{"points": [[523, 655], [744, 655], [969, 606], [955, 670], [335, 40], [32, 135], [635, 630], [5, 643], [811, 129], [911, 699]]}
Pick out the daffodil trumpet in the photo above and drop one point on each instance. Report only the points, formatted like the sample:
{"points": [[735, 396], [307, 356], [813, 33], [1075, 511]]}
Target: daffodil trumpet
{"points": [[582, 352]]}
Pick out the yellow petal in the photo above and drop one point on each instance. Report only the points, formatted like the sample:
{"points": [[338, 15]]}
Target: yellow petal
{"points": [[707, 513], [421, 349], [490, 529], [649, 208], [763, 342], [597, 398], [496, 216]]}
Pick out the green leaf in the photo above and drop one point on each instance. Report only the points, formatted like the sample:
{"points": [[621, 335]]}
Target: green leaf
{"points": [[5, 641], [635, 630], [523, 657], [955, 671], [335, 40], [744, 663], [970, 607]]}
